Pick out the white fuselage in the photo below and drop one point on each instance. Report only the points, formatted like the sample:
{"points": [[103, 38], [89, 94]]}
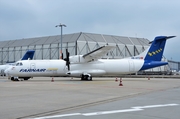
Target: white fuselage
{"points": [[101, 67], [37, 68], [107, 67]]}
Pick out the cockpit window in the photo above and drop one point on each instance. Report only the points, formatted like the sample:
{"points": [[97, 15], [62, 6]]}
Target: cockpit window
{"points": [[19, 64]]}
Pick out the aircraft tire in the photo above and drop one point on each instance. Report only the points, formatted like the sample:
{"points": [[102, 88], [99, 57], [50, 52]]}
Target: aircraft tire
{"points": [[16, 79], [89, 78], [12, 79], [82, 77], [26, 78], [86, 78]]}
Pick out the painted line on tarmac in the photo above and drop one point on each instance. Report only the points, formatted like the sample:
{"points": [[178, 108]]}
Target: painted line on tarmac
{"points": [[133, 109]]}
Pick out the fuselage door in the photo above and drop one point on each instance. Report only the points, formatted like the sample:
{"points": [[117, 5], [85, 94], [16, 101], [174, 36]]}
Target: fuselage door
{"points": [[32, 66], [131, 66]]}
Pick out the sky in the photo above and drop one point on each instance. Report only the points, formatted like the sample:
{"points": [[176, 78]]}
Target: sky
{"points": [[139, 18]]}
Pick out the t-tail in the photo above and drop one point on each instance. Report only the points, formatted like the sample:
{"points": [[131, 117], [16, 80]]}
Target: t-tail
{"points": [[28, 55], [153, 55]]}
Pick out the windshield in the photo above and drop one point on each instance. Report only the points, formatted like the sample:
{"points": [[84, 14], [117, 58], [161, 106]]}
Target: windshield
{"points": [[19, 64]]}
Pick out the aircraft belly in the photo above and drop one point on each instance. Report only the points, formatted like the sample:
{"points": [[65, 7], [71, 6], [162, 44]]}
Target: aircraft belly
{"points": [[95, 69]]}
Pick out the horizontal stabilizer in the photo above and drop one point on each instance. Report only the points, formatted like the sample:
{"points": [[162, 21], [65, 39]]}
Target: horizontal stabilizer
{"points": [[159, 38]]}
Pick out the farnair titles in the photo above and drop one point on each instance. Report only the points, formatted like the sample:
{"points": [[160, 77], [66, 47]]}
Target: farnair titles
{"points": [[32, 70]]}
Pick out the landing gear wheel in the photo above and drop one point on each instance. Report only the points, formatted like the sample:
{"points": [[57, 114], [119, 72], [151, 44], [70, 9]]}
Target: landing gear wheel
{"points": [[89, 78], [86, 78], [26, 78], [82, 77], [14, 79]]}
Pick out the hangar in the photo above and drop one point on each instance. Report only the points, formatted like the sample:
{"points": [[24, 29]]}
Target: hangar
{"points": [[48, 47], [77, 43]]}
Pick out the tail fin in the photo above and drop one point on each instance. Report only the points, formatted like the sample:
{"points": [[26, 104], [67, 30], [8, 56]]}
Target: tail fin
{"points": [[153, 54], [28, 54], [155, 51]]}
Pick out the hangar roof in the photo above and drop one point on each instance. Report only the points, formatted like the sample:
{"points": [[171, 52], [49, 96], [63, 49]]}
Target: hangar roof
{"points": [[74, 37]]}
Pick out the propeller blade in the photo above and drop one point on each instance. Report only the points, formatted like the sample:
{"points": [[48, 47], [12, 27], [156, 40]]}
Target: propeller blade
{"points": [[67, 59], [62, 55]]}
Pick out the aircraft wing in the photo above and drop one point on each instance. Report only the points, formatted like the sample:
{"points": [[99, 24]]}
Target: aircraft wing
{"points": [[98, 53]]}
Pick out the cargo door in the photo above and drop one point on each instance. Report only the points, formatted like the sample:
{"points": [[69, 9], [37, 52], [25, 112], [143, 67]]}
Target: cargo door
{"points": [[131, 66]]}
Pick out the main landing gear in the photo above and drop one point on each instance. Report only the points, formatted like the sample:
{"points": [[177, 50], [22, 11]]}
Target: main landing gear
{"points": [[86, 78]]}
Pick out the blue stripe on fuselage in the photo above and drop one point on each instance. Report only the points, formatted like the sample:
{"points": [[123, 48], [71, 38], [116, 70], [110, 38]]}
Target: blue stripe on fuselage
{"points": [[152, 64]]}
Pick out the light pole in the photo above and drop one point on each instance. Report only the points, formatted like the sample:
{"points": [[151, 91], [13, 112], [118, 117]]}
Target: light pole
{"points": [[61, 25]]}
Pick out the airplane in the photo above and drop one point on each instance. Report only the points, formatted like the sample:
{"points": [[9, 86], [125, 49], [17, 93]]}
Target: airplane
{"points": [[28, 55], [90, 65]]}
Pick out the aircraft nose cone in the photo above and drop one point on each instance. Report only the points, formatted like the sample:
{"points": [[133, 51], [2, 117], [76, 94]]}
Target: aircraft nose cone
{"points": [[6, 71]]}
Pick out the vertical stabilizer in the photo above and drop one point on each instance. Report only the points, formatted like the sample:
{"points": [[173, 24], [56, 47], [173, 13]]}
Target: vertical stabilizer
{"points": [[153, 55], [28, 55], [155, 51]]}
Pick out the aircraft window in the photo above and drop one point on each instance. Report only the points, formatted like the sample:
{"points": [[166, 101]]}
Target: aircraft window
{"points": [[17, 64]]}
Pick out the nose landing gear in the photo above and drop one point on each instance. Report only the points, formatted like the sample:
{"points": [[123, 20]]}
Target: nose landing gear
{"points": [[14, 79]]}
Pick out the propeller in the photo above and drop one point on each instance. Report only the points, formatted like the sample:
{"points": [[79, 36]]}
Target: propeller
{"points": [[62, 56], [67, 60]]}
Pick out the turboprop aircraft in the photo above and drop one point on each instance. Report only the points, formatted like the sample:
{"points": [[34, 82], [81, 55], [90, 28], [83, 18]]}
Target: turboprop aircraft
{"points": [[89, 65], [28, 55]]}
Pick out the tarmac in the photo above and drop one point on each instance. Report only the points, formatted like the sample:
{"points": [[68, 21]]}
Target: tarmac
{"points": [[42, 96]]}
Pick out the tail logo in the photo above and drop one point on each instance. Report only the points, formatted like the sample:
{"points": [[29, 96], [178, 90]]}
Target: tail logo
{"points": [[155, 52]]}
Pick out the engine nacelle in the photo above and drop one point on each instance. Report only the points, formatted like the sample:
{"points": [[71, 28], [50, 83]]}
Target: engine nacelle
{"points": [[77, 59]]}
